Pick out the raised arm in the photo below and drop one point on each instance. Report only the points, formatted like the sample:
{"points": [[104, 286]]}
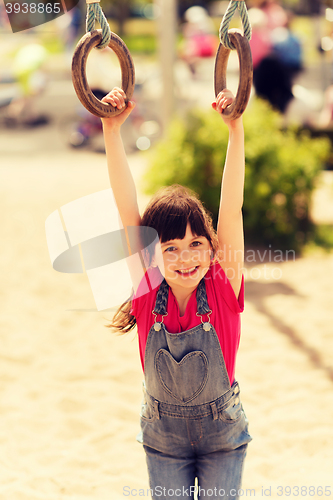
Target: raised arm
{"points": [[121, 179], [230, 221]]}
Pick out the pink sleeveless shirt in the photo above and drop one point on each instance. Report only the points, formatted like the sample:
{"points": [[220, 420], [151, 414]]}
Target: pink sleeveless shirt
{"points": [[222, 301]]}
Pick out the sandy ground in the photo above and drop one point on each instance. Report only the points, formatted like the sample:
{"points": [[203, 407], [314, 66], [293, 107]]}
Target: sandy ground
{"points": [[71, 391]]}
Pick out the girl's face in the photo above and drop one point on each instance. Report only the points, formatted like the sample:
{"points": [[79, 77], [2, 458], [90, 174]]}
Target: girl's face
{"points": [[186, 261]]}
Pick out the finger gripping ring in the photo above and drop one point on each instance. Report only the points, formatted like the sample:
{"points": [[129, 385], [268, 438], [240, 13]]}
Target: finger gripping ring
{"points": [[237, 108], [79, 77]]}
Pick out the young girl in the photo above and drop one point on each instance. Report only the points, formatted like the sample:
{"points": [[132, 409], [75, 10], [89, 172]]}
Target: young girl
{"points": [[192, 421]]}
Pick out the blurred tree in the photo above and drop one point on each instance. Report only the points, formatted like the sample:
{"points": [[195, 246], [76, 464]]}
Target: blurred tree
{"points": [[183, 5], [291, 4], [120, 10], [311, 6]]}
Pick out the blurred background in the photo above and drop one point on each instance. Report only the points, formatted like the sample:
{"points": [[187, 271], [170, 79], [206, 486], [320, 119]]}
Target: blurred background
{"points": [[70, 390]]}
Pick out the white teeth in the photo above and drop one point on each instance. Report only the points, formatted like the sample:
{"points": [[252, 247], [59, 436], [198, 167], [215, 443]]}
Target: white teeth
{"points": [[187, 271]]}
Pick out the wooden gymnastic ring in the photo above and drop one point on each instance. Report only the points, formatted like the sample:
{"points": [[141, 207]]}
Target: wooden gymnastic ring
{"points": [[79, 77], [237, 108]]}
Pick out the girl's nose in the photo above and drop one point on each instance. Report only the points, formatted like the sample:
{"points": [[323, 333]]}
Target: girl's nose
{"points": [[185, 256]]}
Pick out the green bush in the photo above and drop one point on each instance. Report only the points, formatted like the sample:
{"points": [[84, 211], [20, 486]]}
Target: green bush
{"points": [[141, 44], [281, 171]]}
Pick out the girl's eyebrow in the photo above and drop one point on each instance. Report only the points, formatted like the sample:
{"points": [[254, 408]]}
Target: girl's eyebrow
{"points": [[172, 242], [167, 243]]}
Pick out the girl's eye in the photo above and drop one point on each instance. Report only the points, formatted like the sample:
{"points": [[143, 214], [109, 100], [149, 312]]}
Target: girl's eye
{"points": [[196, 243], [170, 249]]}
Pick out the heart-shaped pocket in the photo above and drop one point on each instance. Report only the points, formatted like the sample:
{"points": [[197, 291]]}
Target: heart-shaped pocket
{"points": [[185, 379]]}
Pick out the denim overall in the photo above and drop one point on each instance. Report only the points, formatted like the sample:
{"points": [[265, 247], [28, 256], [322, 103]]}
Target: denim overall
{"points": [[192, 421]]}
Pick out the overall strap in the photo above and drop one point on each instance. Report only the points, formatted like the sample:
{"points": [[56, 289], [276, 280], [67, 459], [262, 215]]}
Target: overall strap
{"points": [[202, 303], [163, 293]]}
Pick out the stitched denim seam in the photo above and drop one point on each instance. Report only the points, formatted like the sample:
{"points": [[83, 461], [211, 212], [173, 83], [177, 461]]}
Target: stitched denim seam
{"points": [[188, 356]]}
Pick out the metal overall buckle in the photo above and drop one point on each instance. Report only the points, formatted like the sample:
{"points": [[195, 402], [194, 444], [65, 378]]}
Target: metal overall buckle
{"points": [[206, 325], [158, 324]]}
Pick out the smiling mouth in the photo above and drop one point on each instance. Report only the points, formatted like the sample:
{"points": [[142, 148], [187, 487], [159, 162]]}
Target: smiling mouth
{"points": [[187, 272]]}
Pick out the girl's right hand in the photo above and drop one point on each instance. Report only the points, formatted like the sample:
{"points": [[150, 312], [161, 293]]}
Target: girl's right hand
{"points": [[223, 100], [116, 98]]}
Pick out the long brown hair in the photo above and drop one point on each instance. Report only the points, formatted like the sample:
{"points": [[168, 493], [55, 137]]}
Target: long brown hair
{"points": [[169, 212]]}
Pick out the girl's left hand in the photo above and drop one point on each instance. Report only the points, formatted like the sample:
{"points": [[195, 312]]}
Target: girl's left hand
{"points": [[116, 98], [224, 99]]}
